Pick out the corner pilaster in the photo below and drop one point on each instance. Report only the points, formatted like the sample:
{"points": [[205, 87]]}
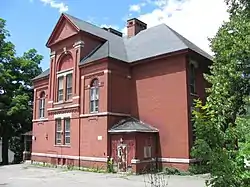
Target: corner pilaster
{"points": [[52, 77], [76, 77], [34, 104]]}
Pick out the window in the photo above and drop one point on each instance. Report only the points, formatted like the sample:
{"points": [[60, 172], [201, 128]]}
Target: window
{"points": [[60, 89], [69, 86], [192, 78], [42, 105], [67, 131], [147, 151], [94, 96], [58, 131]]}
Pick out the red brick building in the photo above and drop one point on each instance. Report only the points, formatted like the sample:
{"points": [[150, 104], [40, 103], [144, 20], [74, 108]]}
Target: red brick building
{"points": [[128, 98]]}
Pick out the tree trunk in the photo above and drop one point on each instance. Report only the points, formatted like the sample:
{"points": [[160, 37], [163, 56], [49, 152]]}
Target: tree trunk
{"points": [[5, 148]]}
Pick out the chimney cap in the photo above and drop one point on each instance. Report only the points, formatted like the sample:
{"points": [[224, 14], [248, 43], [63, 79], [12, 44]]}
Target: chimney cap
{"points": [[136, 20]]}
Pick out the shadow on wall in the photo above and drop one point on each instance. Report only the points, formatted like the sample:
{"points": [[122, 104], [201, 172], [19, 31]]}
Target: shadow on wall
{"points": [[11, 154]]}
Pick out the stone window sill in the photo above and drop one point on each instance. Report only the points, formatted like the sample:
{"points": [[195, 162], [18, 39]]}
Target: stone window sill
{"points": [[40, 120], [58, 145], [63, 102]]}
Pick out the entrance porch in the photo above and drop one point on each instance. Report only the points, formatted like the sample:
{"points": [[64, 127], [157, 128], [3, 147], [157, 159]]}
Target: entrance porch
{"points": [[133, 145]]}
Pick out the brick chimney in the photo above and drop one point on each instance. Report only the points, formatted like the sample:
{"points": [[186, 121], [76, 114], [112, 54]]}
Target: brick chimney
{"points": [[134, 26]]}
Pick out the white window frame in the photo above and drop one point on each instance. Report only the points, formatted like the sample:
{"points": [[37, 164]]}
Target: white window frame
{"points": [[58, 132], [67, 131], [94, 96], [69, 87], [42, 105], [60, 91]]}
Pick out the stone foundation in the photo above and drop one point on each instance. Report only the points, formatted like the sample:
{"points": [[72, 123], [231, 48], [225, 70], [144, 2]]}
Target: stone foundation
{"points": [[137, 166], [67, 162]]}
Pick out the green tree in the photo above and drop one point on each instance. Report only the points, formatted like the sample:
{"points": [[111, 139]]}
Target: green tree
{"points": [[16, 74], [220, 122]]}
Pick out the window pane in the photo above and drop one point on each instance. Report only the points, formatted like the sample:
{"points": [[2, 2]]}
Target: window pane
{"points": [[67, 124], [42, 103], [67, 140], [96, 93], [96, 105], [58, 138], [92, 106], [192, 88], [192, 78], [60, 95], [41, 113], [60, 83], [41, 108], [67, 134], [92, 94], [60, 89], [58, 125], [94, 83], [69, 80], [69, 93], [58, 131], [67, 131]]}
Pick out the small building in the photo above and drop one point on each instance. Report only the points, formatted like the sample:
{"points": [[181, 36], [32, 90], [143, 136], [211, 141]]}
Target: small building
{"points": [[128, 98]]}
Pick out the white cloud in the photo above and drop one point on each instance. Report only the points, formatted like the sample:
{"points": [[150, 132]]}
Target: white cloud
{"points": [[62, 7], [194, 19], [136, 7]]}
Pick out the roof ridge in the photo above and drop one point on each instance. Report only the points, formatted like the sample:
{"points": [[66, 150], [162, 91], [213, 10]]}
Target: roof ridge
{"points": [[91, 24], [176, 34], [181, 37]]}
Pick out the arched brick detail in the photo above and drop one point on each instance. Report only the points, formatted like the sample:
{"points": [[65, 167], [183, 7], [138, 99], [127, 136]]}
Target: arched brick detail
{"points": [[65, 61]]}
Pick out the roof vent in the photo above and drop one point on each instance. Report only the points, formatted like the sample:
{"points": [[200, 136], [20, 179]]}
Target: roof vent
{"points": [[118, 33]]}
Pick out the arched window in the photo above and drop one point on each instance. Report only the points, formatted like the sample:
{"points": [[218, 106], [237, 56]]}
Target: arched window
{"points": [[94, 95], [42, 105]]}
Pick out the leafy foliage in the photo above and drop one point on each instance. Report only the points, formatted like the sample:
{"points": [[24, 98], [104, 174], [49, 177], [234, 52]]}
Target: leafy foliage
{"points": [[16, 74], [238, 6], [220, 124]]}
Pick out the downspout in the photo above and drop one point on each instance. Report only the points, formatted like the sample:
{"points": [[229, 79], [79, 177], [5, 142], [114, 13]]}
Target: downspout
{"points": [[79, 143], [157, 144], [79, 119]]}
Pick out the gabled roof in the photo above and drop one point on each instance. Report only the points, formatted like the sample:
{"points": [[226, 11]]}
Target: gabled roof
{"points": [[151, 42], [114, 48], [131, 124]]}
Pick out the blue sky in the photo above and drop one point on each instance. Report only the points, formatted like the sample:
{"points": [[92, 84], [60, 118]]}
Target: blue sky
{"points": [[31, 22]]}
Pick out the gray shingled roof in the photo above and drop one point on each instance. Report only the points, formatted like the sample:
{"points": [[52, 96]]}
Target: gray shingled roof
{"points": [[151, 42], [43, 74], [131, 124], [114, 48]]}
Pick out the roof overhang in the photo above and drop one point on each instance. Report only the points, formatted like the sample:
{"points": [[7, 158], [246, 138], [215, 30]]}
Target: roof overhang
{"points": [[131, 131]]}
